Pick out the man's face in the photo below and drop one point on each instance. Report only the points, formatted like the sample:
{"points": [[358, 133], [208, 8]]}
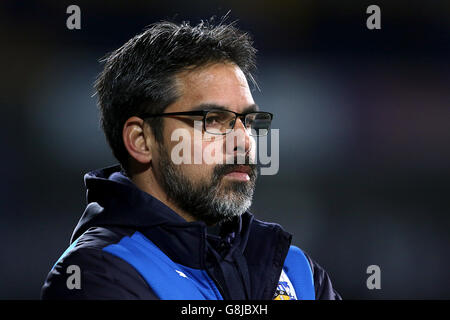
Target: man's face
{"points": [[218, 191]]}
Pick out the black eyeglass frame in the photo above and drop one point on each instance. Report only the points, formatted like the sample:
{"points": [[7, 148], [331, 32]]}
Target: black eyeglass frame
{"points": [[204, 113]]}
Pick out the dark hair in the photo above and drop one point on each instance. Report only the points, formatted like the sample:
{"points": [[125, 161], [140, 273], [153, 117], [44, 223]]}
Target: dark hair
{"points": [[139, 76]]}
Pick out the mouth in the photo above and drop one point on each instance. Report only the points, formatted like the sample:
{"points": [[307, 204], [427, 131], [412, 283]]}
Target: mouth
{"points": [[241, 173]]}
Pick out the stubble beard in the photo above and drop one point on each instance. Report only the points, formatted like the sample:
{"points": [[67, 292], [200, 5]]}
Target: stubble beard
{"points": [[210, 200]]}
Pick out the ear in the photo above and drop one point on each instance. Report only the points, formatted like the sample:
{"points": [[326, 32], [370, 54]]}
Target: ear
{"points": [[137, 141]]}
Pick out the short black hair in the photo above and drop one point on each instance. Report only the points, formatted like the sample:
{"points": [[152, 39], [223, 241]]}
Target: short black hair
{"points": [[139, 76]]}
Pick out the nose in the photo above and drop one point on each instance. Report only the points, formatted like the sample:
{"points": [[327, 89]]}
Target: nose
{"points": [[242, 141]]}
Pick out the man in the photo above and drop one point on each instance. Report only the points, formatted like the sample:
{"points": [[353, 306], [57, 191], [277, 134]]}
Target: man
{"points": [[156, 228]]}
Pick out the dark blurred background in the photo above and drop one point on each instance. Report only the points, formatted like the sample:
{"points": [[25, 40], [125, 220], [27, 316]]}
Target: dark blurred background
{"points": [[363, 118]]}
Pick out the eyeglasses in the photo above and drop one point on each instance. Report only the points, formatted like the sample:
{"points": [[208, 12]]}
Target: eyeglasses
{"points": [[221, 122]]}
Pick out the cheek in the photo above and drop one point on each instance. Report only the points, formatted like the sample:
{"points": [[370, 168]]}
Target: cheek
{"points": [[214, 150], [198, 169]]}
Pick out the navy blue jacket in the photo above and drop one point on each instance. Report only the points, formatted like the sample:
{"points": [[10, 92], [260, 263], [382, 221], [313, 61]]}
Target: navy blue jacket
{"points": [[129, 245]]}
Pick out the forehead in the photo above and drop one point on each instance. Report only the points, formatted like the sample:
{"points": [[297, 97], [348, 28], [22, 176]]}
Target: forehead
{"points": [[221, 84]]}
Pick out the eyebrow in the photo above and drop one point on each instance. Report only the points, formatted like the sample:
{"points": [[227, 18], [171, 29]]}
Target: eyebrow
{"points": [[210, 106]]}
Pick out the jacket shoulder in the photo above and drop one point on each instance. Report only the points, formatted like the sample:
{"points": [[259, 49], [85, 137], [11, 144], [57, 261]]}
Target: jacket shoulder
{"points": [[86, 271]]}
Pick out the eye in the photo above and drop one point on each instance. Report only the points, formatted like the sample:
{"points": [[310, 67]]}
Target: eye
{"points": [[212, 119]]}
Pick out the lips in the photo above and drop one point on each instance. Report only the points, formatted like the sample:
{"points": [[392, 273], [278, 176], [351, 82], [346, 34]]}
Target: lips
{"points": [[241, 173]]}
